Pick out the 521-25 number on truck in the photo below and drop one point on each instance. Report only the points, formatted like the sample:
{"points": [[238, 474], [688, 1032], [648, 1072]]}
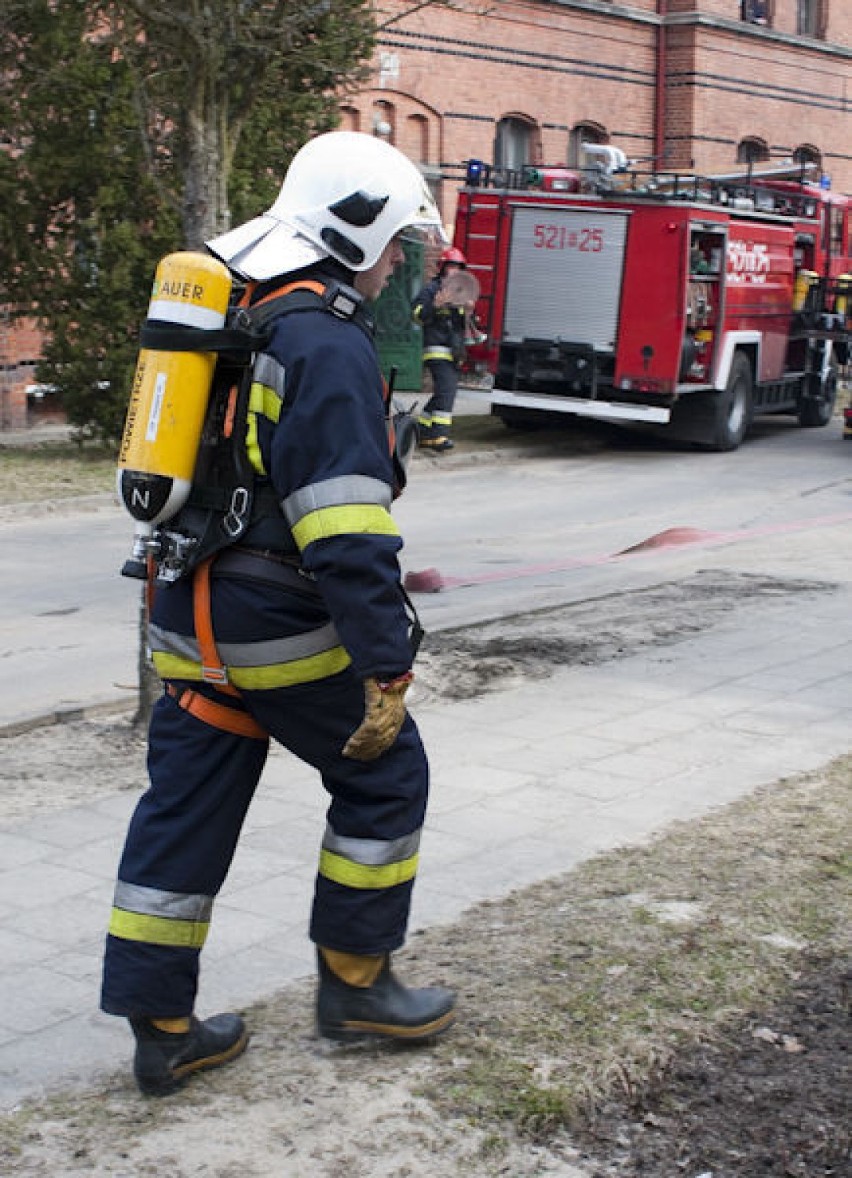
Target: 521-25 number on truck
{"points": [[560, 237]]}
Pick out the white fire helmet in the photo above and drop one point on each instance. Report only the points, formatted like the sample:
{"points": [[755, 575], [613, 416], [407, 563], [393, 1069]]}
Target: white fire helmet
{"points": [[345, 195]]}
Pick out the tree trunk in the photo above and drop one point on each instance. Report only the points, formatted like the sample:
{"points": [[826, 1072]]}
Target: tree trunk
{"points": [[150, 687]]}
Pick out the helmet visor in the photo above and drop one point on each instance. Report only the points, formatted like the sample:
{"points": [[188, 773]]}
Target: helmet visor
{"points": [[425, 223]]}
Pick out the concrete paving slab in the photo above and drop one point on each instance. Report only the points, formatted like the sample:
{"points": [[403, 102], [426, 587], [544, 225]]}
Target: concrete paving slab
{"points": [[527, 782]]}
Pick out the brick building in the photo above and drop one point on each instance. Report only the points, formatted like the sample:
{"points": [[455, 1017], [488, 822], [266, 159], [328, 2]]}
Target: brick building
{"points": [[21, 401], [687, 85], [703, 85]]}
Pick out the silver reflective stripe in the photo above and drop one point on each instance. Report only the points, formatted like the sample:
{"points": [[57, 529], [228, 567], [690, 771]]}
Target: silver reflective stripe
{"points": [[171, 905], [249, 654], [372, 852], [168, 642], [338, 492], [269, 372]]}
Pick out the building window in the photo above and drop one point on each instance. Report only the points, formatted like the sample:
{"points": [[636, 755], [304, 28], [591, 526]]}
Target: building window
{"points": [[812, 17], [384, 120], [752, 150], [756, 12], [350, 118], [513, 144], [417, 138], [806, 153], [580, 134]]}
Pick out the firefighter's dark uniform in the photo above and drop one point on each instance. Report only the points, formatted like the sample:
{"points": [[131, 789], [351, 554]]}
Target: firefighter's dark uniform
{"points": [[443, 346], [303, 611]]}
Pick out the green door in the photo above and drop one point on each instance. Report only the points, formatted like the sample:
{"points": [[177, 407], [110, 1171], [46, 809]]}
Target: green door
{"points": [[397, 336]]}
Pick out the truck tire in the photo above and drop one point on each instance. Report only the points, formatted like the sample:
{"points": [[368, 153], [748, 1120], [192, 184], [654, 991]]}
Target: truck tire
{"points": [[733, 408], [817, 411]]}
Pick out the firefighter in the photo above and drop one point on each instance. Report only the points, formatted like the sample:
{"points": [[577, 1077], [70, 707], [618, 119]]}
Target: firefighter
{"points": [[306, 624], [444, 328]]}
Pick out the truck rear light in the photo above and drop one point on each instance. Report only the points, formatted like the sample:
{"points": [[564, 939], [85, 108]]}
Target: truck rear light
{"points": [[640, 386]]}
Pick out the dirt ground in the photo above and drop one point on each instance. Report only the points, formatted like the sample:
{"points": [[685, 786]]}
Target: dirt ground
{"points": [[679, 1010]]}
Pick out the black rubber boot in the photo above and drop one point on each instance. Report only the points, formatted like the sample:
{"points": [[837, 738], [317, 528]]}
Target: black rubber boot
{"points": [[166, 1059], [386, 1009], [438, 443]]}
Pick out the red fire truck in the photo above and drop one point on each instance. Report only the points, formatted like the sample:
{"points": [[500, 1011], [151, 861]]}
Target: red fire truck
{"points": [[685, 302]]}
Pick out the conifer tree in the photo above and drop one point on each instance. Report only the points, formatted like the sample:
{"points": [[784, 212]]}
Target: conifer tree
{"points": [[134, 127]]}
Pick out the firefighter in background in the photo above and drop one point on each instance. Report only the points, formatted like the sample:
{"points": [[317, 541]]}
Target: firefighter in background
{"points": [[309, 620], [444, 325]]}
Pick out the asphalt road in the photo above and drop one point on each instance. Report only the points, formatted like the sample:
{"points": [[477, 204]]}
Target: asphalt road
{"points": [[509, 530]]}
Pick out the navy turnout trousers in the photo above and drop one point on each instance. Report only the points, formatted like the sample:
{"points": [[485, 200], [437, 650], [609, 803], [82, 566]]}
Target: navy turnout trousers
{"points": [[185, 829], [445, 383]]}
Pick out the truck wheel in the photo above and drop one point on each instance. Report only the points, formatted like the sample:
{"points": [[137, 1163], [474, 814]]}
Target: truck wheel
{"points": [[817, 411], [733, 409]]}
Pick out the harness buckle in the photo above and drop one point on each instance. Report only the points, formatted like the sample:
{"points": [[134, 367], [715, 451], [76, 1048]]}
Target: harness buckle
{"points": [[234, 521], [214, 675], [343, 301]]}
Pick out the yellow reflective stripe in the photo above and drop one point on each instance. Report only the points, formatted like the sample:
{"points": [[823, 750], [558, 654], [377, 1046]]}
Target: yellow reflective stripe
{"points": [[158, 930], [437, 353], [253, 446], [264, 400], [289, 674], [173, 666], [350, 519], [307, 670], [360, 875]]}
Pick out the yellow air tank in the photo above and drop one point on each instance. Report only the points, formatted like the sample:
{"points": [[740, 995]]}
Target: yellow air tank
{"points": [[844, 291], [168, 400], [805, 280]]}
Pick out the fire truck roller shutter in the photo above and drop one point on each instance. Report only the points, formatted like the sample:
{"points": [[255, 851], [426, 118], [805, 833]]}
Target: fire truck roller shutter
{"points": [[564, 278]]}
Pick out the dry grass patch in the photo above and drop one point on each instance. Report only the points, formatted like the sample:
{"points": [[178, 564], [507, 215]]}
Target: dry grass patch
{"points": [[586, 987], [54, 470]]}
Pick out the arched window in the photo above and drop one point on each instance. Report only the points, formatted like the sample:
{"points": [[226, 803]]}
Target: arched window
{"points": [[806, 153], [752, 150], [384, 120], [350, 118], [417, 138], [583, 133], [514, 144]]}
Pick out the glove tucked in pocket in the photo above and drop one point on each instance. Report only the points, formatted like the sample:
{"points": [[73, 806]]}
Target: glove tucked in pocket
{"points": [[384, 713]]}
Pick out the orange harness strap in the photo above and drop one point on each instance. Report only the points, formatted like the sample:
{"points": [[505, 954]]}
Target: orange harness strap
{"points": [[307, 284], [212, 669], [216, 715]]}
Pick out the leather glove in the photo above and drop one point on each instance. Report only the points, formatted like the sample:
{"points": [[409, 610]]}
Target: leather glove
{"points": [[384, 712]]}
